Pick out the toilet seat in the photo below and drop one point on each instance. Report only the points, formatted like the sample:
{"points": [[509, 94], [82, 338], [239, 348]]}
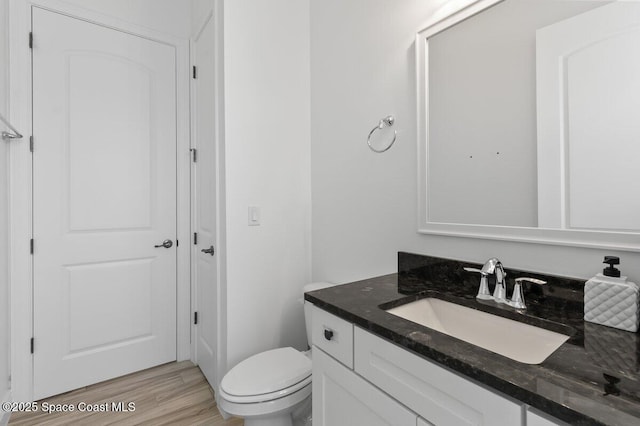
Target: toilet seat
{"points": [[267, 376]]}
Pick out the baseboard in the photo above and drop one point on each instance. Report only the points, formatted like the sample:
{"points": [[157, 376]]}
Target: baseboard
{"points": [[4, 416]]}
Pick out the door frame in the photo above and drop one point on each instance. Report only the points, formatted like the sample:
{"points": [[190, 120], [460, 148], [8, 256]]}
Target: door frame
{"points": [[20, 191]]}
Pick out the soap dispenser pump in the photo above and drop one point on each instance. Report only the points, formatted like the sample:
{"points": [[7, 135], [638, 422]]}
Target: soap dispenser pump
{"points": [[611, 271], [611, 300]]}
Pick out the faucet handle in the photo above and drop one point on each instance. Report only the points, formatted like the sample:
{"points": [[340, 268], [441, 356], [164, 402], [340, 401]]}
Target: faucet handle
{"points": [[531, 280], [517, 298], [483, 291]]}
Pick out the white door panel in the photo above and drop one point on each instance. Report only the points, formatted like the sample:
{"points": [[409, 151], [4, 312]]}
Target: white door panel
{"points": [[588, 98], [104, 187], [206, 267], [93, 149]]}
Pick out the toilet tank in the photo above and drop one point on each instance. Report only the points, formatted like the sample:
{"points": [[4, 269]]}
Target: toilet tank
{"points": [[307, 305]]}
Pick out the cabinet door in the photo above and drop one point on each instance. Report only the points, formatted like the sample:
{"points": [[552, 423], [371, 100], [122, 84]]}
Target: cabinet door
{"points": [[341, 398], [432, 391], [535, 418]]}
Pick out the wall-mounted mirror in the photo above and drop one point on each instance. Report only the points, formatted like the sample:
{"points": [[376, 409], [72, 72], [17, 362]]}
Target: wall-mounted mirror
{"points": [[529, 122]]}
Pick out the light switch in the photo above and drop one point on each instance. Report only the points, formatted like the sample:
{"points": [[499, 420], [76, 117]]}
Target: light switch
{"points": [[254, 216]]}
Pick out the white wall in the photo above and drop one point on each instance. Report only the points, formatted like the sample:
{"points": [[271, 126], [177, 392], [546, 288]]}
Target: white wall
{"points": [[364, 204], [200, 11], [267, 125], [4, 229]]}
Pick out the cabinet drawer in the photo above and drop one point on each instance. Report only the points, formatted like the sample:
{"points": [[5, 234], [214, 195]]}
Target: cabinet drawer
{"points": [[438, 395], [333, 335], [341, 397]]}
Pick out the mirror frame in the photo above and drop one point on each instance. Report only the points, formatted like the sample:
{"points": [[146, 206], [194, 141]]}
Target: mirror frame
{"points": [[455, 12]]}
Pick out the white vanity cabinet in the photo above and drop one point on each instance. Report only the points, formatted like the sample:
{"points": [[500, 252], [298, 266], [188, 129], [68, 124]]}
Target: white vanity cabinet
{"points": [[340, 396], [360, 379]]}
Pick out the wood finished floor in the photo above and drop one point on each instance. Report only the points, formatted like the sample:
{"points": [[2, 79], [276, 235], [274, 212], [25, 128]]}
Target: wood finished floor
{"points": [[171, 394]]}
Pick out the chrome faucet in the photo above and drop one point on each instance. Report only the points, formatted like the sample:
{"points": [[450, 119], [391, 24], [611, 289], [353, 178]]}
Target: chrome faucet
{"points": [[491, 267], [494, 266]]}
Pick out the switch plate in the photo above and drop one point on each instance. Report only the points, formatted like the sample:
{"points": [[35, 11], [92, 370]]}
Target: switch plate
{"points": [[254, 216]]}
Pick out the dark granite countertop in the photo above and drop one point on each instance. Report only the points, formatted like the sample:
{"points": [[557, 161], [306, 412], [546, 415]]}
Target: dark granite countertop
{"points": [[592, 379]]}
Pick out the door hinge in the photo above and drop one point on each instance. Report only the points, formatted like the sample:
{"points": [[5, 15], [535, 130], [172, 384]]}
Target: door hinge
{"points": [[31, 143], [195, 155], [195, 318], [195, 72], [195, 238], [177, 242], [31, 40], [31, 246], [32, 344]]}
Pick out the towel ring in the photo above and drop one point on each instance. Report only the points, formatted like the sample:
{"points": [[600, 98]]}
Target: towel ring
{"points": [[385, 122]]}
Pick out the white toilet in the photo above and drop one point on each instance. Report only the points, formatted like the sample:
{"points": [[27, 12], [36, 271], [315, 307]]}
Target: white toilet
{"points": [[272, 388]]}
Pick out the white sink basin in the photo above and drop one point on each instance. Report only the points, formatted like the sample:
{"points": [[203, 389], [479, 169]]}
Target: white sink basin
{"points": [[520, 342]]}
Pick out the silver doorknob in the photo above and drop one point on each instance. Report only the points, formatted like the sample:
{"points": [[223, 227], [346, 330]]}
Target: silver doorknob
{"points": [[210, 251], [165, 244]]}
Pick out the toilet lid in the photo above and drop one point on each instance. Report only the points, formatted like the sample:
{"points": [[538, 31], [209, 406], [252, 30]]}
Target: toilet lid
{"points": [[267, 372]]}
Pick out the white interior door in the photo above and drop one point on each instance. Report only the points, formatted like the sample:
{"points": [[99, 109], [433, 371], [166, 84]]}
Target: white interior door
{"points": [[588, 128], [204, 175], [104, 190]]}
